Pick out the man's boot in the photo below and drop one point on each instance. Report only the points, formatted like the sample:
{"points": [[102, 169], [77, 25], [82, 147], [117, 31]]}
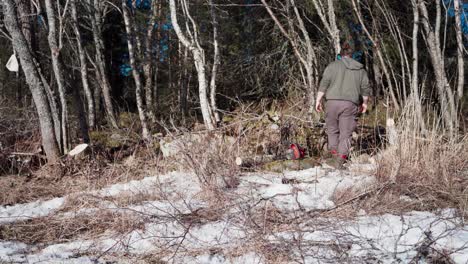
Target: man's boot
{"points": [[328, 155], [337, 162]]}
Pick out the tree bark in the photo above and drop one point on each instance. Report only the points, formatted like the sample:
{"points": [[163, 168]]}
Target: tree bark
{"points": [[83, 68], [148, 65], [415, 78], [446, 98], [329, 23], [136, 75], [96, 23], [460, 50], [379, 56], [306, 58], [34, 81], [199, 60], [55, 48], [216, 63]]}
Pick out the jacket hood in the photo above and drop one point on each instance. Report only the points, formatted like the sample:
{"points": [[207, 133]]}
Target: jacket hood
{"points": [[352, 64]]}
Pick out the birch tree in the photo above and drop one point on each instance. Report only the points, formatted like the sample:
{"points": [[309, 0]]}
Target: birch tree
{"points": [[460, 49], [445, 94], [83, 67], [190, 39], [148, 61], [302, 46], [55, 44], [328, 18], [415, 95], [129, 27], [95, 12], [36, 86]]}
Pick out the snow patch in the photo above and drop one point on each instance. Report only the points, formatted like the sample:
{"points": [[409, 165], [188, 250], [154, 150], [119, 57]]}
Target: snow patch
{"points": [[26, 211]]}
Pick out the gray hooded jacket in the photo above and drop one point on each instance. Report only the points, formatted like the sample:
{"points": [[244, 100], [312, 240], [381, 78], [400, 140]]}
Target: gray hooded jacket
{"points": [[345, 79]]}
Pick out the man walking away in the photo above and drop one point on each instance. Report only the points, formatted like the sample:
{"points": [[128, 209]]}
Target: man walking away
{"points": [[345, 86]]}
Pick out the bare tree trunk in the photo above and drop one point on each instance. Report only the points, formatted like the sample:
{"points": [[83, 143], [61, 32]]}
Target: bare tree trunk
{"points": [[460, 50], [96, 23], [415, 78], [216, 62], [379, 56], [34, 81], [148, 65], [136, 75], [83, 68], [306, 58], [329, 23], [446, 99], [183, 83], [55, 48], [199, 60]]}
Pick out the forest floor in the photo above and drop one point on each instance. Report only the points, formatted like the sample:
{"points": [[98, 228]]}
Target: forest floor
{"points": [[308, 216]]}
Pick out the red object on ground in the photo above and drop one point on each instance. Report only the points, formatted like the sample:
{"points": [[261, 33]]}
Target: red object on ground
{"points": [[298, 152]]}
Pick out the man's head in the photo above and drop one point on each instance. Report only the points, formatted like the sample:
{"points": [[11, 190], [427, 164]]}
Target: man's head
{"points": [[346, 50]]}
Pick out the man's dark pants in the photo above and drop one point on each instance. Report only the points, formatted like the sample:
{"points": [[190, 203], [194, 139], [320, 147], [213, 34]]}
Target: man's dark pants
{"points": [[341, 122]]}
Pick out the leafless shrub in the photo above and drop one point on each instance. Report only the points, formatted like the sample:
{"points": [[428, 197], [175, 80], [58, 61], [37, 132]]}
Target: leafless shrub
{"points": [[211, 157]]}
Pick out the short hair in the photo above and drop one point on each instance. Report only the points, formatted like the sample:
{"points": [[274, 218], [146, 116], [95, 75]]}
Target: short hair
{"points": [[346, 49]]}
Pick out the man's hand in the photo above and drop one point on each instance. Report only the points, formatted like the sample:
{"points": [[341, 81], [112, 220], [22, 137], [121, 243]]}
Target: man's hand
{"points": [[318, 103], [363, 108], [319, 106]]}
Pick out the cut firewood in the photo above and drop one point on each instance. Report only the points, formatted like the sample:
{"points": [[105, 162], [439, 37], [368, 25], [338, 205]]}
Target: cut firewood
{"points": [[80, 149]]}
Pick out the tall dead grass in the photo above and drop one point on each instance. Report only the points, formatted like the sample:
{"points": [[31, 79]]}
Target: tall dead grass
{"points": [[429, 166], [211, 157]]}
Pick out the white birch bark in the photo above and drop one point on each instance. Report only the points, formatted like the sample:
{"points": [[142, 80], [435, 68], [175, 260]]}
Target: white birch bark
{"points": [[446, 98], [136, 74], [379, 56], [148, 65], [34, 81], [415, 95], [55, 49], [460, 50], [199, 61], [96, 24], [216, 62], [83, 67], [329, 22], [302, 48]]}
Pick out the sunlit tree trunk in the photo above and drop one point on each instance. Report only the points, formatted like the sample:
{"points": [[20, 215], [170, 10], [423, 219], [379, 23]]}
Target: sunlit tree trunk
{"points": [[302, 47], [34, 81], [83, 67], [415, 95], [148, 64], [136, 74], [329, 21], [97, 24], [460, 50], [199, 59], [55, 50], [216, 62], [446, 98]]}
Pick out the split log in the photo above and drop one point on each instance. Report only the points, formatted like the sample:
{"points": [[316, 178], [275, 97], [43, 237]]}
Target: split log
{"points": [[78, 150], [392, 135], [248, 162], [290, 165]]}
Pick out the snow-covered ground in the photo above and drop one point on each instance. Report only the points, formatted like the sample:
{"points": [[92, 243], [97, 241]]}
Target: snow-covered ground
{"points": [[263, 220]]}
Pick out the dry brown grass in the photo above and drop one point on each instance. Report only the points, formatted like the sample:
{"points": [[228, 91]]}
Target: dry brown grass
{"points": [[56, 229], [74, 176], [211, 157], [430, 168]]}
